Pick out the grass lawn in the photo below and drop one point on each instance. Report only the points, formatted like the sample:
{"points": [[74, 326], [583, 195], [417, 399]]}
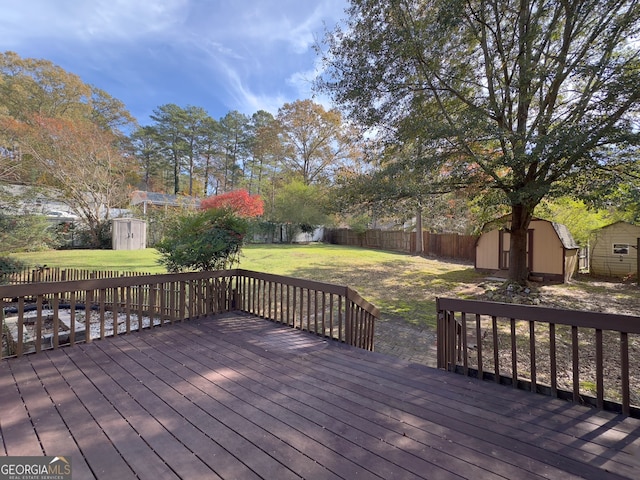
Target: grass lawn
{"points": [[404, 287], [120, 260]]}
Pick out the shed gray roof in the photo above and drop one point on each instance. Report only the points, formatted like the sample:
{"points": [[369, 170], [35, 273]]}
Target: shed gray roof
{"points": [[565, 236]]}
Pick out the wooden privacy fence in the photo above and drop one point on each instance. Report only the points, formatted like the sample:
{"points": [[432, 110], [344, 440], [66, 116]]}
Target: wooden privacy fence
{"points": [[449, 245], [48, 315], [587, 357]]}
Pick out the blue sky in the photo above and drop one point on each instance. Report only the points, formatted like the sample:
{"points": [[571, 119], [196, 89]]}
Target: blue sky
{"points": [[220, 55]]}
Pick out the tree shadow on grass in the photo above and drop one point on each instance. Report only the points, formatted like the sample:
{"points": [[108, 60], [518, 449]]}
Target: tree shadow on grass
{"points": [[403, 291]]}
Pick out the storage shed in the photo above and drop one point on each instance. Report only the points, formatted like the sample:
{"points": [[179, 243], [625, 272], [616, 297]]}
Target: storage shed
{"points": [[552, 253], [614, 251], [129, 234]]}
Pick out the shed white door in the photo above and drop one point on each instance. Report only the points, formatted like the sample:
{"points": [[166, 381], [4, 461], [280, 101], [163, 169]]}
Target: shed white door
{"points": [[504, 247], [129, 234]]}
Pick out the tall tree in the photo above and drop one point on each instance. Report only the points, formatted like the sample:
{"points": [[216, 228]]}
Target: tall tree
{"points": [[81, 160], [523, 94], [234, 141], [169, 130], [194, 132], [266, 151], [38, 86], [210, 150], [315, 140], [147, 149], [33, 87], [56, 131]]}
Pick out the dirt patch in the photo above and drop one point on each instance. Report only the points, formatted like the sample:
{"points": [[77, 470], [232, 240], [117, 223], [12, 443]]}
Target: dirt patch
{"points": [[594, 295], [583, 293]]}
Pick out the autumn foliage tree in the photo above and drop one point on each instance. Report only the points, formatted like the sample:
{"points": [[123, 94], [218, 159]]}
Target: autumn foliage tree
{"points": [[58, 132], [315, 141], [240, 202], [81, 160]]}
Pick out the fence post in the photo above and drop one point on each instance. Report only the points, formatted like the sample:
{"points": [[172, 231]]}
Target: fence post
{"points": [[347, 317], [440, 336], [447, 337], [233, 295]]}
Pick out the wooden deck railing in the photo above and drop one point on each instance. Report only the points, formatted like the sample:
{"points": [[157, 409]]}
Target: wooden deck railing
{"points": [[329, 310], [587, 357], [48, 315]]}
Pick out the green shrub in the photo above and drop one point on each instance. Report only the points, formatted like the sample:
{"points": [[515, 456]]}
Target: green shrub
{"points": [[25, 233], [208, 240], [9, 266], [263, 231], [99, 237]]}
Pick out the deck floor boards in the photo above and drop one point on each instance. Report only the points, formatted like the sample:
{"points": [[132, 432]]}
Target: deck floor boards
{"points": [[238, 397]]}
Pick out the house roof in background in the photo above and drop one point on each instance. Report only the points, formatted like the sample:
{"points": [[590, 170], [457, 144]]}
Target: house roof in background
{"points": [[163, 199], [619, 222], [27, 199]]}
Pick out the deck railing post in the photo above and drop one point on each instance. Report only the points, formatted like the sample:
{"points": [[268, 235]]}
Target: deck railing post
{"points": [[447, 338], [440, 343], [234, 297], [452, 328], [348, 318]]}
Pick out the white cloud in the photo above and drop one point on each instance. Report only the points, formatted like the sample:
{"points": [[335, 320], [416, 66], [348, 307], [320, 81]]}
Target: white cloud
{"points": [[247, 55], [246, 100], [302, 82], [126, 19], [90, 20]]}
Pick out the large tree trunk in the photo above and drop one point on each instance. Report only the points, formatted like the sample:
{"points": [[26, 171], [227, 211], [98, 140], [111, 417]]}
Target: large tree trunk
{"points": [[176, 175], [520, 218]]}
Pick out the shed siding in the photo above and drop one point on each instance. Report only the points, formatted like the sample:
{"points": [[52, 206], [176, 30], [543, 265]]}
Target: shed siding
{"points": [[604, 261], [487, 251], [548, 252], [571, 259]]}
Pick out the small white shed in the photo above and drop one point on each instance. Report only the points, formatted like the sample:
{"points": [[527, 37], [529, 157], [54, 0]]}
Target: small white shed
{"points": [[129, 234], [614, 251]]}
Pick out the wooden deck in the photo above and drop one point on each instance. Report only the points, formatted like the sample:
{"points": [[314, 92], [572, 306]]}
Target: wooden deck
{"points": [[238, 397]]}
